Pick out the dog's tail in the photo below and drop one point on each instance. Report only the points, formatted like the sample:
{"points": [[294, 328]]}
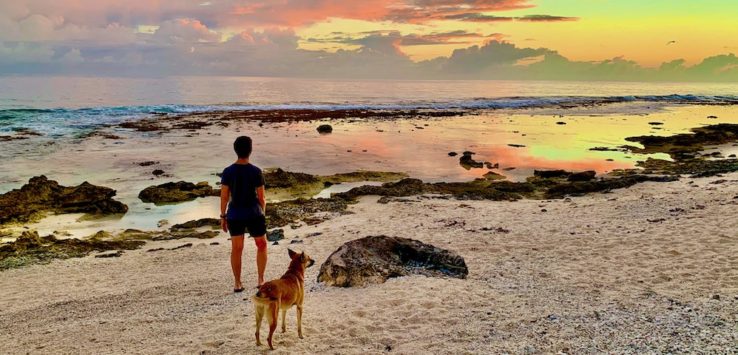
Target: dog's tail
{"points": [[261, 301], [267, 290]]}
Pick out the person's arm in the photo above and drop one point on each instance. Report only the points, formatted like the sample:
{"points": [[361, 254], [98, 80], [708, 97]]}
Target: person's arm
{"points": [[260, 192], [225, 195], [262, 199]]}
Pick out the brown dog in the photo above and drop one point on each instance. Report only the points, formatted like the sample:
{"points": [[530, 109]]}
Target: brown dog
{"points": [[282, 294]]}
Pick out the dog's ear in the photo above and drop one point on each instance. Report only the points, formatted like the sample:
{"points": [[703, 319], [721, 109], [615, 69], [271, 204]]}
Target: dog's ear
{"points": [[291, 253], [302, 257]]}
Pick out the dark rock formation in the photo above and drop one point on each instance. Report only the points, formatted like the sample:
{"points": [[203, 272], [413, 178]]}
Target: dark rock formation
{"points": [[694, 167], [687, 143], [467, 162], [29, 248], [563, 174], [275, 235], [44, 195], [325, 129], [279, 178], [608, 149], [582, 176], [177, 192], [173, 234], [548, 174], [585, 187], [685, 151], [545, 185], [202, 222], [289, 212], [375, 259], [491, 175], [404, 187], [188, 245]]}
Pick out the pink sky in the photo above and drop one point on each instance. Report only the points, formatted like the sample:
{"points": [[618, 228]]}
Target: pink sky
{"points": [[375, 38]]}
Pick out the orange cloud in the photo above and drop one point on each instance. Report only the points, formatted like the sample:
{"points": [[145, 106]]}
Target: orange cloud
{"points": [[420, 11], [298, 13]]}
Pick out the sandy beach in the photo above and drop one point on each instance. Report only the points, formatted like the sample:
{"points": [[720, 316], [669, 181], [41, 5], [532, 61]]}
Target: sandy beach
{"points": [[424, 177], [649, 269]]}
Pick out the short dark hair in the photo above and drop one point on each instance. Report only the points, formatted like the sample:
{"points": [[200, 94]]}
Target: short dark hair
{"points": [[242, 146]]}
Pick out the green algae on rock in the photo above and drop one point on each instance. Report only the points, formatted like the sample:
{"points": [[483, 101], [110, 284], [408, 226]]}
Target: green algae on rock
{"points": [[684, 150], [695, 167], [686, 145], [30, 248], [202, 222], [536, 187], [41, 195], [181, 191], [285, 185]]}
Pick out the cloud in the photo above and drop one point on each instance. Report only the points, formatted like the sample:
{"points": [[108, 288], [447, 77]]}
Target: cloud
{"points": [[477, 17], [414, 39], [244, 14], [15, 53], [184, 31], [545, 18], [188, 47], [420, 11], [73, 56], [257, 37]]}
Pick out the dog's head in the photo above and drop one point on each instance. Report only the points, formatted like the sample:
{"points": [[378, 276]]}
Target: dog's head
{"points": [[304, 259]]}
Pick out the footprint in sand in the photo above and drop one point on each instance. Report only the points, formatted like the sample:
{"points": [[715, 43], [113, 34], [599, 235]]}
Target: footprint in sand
{"points": [[214, 344], [428, 305], [396, 302]]}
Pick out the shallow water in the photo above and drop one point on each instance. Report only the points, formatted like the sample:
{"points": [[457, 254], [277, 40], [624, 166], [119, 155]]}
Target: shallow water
{"points": [[61, 108], [418, 147]]}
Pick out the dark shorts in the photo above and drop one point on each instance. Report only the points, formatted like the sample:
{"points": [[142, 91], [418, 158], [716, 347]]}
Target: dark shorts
{"points": [[256, 226]]}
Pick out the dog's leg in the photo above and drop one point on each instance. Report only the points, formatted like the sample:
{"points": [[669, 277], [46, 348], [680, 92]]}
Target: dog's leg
{"points": [[273, 314], [259, 310], [299, 321], [284, 324]]}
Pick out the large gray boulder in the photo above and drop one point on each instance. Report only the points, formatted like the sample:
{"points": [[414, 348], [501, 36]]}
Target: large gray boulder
{"points": [[374, 259]]}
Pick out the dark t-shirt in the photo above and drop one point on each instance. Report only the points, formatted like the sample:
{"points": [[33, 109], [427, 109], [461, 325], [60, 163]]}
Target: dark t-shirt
{"points": [[242, 180]]}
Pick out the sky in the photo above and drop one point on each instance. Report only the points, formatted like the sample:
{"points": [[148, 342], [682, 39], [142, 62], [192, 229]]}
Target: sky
{"points": [[629, 40]]}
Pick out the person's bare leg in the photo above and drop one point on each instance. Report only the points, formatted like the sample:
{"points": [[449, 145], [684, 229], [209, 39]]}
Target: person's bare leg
{"points": [[261, 256], [236, 252]]}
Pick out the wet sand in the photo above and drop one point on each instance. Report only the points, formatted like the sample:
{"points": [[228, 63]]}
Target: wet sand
{"points": [[646, 269]]}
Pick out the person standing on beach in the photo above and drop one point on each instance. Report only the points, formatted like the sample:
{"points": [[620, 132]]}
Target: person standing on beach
{"points": [[242, 207]]}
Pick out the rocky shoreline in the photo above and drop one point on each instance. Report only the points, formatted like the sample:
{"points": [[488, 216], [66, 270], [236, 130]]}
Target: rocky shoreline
{"points": [[41, 195], [199, 120]]}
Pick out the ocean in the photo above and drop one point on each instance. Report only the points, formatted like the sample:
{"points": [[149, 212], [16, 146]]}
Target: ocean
{"points": [[68, 106]]}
